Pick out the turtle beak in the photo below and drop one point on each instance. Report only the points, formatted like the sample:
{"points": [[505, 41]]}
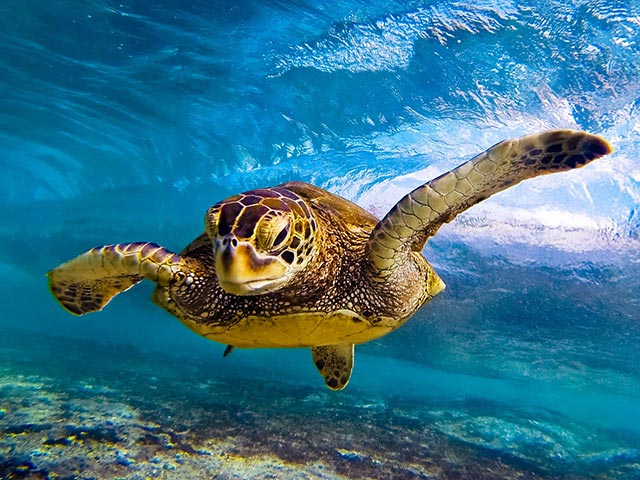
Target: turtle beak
{"points": [[242, 271]]}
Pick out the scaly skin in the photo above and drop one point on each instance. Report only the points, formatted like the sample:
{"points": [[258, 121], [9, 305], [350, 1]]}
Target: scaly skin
{"points": [[88, 282], [422, 212]]}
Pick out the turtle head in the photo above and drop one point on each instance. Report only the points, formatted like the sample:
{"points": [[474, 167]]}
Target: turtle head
{"points": [[262, 240]]}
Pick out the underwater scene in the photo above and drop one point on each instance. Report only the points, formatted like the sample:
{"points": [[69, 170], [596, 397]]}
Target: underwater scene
{"points": [[125, 121]]}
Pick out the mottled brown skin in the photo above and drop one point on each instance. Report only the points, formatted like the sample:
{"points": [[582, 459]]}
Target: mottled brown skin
{"points": [[296, 266]]}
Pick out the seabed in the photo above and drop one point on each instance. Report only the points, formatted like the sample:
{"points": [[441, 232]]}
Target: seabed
{"points": [[84, 409]]}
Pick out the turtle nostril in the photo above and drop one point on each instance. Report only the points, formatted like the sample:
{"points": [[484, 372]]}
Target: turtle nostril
{"points": [[228, 241]]}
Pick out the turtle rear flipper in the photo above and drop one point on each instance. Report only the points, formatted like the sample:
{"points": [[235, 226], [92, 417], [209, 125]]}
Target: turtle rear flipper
{"points": [[89, 281], [421, 213], [334, 362]]}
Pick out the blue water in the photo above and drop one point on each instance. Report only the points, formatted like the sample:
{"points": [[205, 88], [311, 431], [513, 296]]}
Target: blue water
{"points": [[124, 121]]}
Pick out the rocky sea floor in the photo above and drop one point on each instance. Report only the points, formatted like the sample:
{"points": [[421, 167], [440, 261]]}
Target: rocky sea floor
{"points": [[83, 409]]}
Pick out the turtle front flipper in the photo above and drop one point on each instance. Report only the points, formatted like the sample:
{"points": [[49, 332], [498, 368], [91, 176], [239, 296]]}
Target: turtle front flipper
{"points": [[89, 281], [334, 362], [420, 214]]}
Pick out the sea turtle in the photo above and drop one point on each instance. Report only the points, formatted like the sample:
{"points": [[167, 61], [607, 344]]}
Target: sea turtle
{"points": [[296, 266]]}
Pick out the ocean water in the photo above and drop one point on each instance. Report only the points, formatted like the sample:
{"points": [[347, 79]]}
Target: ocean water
{"points": [[123, 121]]}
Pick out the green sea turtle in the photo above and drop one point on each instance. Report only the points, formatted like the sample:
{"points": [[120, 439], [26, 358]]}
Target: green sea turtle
{"points": [[296, 266]]}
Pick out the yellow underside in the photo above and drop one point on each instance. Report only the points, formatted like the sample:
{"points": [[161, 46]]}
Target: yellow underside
{"points": [[298, 330]]}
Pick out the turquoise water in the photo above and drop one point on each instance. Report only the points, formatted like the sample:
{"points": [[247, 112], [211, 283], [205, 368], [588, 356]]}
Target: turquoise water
{"points": [[125, 121]]}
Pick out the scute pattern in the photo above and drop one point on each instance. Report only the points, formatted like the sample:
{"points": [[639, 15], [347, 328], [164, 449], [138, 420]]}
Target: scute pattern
{"points": [[242, 214]]}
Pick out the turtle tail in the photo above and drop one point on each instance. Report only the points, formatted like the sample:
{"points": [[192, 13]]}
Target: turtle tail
{"points": [[89, 281]]}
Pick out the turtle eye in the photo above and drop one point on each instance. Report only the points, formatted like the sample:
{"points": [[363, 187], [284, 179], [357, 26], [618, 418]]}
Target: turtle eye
{"points": [[281, 237], [273, 232]]}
